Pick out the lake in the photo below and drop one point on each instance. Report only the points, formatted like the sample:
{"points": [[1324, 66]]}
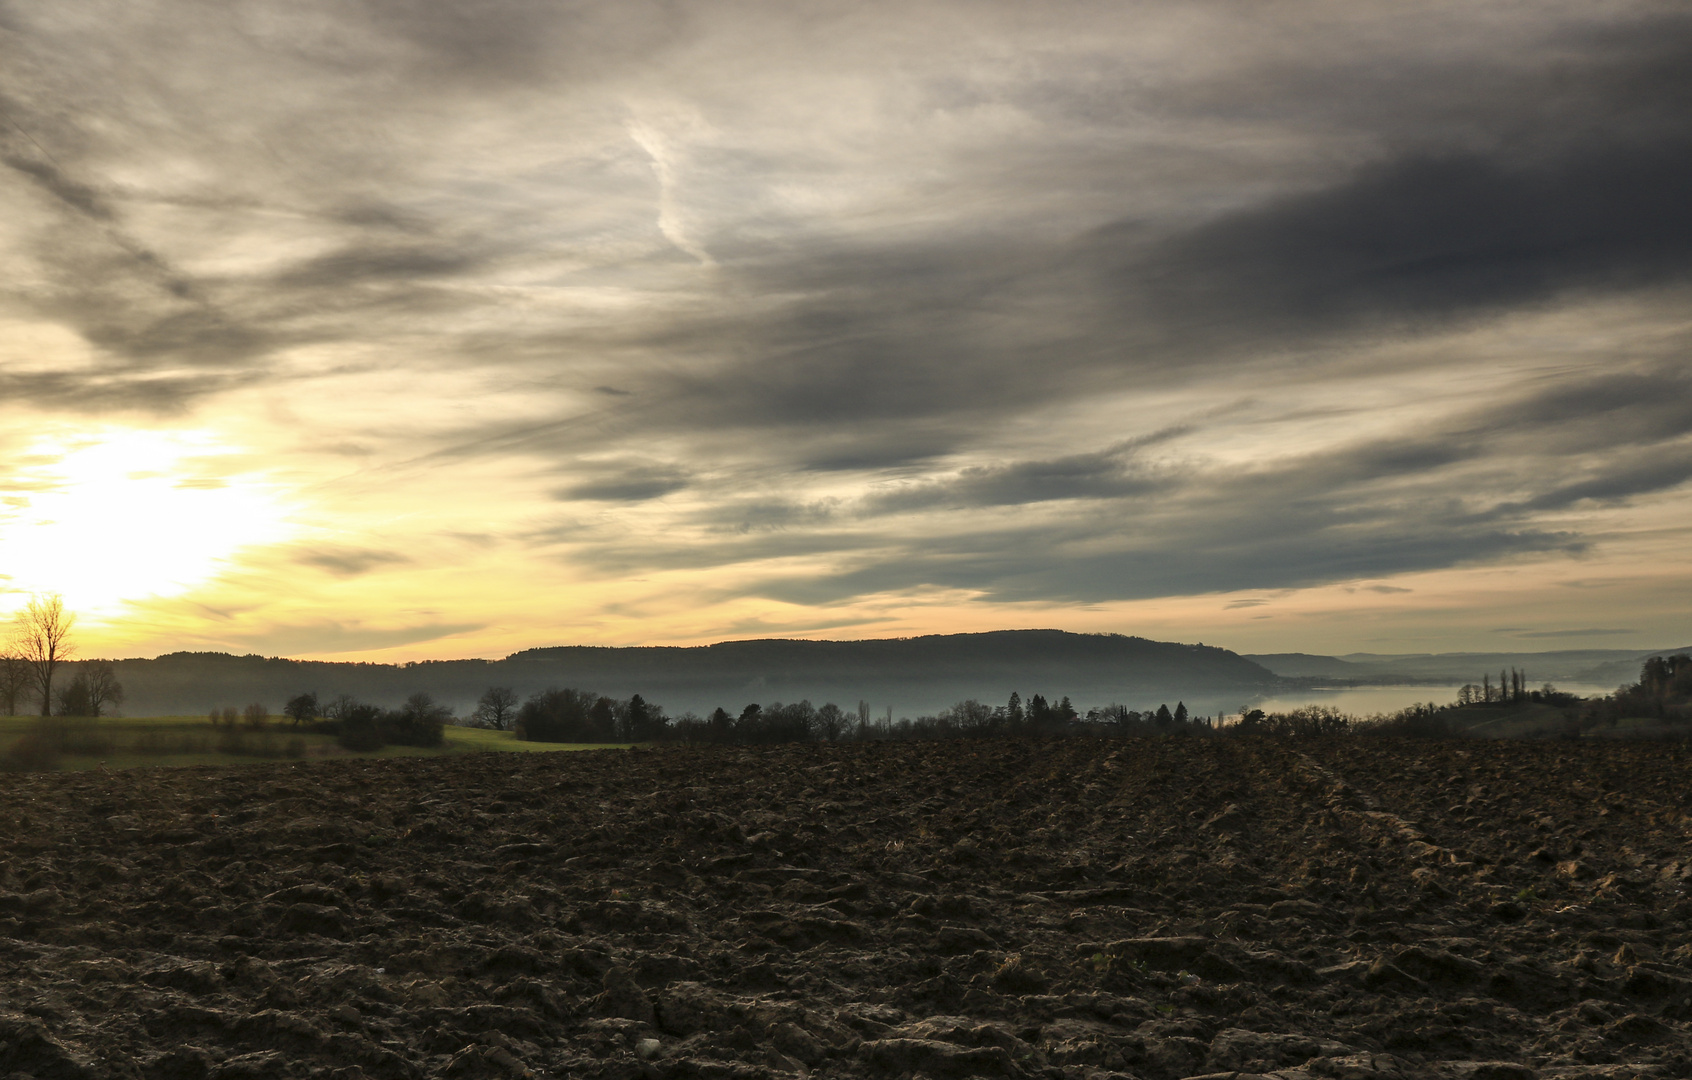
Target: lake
{"points": [[1370, 700]]}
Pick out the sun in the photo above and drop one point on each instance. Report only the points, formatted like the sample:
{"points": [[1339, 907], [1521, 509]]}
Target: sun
{"points": [[119, 515]]}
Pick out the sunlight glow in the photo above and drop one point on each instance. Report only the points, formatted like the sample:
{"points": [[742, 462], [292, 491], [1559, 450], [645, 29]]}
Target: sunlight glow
{"points": [[122, 514]]}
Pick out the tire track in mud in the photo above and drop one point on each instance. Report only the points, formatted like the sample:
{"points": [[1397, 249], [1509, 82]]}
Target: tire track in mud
{"points": [[1385, 830]]}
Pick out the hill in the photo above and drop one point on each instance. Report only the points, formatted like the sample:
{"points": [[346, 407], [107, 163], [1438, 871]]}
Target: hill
{"points": [[908, 675], [1599, 667], [1306, 666]]}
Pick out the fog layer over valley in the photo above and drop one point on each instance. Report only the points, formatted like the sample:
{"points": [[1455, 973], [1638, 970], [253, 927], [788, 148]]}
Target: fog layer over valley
{"points": [[909, 676]]}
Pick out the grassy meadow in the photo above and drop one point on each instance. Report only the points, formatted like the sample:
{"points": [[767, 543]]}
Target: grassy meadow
{"points": [[31, 743]]}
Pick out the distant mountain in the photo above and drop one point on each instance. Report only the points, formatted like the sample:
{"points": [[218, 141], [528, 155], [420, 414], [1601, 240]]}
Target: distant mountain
{"points": [[1297, 665], [909, 675], [1600, 667]]}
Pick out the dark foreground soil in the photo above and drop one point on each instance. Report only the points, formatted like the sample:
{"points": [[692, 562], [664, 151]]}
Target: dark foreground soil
{"points": [[1155, 909]]}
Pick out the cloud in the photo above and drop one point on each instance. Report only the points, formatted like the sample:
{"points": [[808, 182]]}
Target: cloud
{"points": [[627, 482], [388, 263], [47, 174], [1108, 473], [350, 562], [1128, 301], [332, 637], [1428, 236], [1594, 631]]}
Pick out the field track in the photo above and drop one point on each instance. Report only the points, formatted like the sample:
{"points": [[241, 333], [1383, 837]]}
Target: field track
{"points": [[1149, 908]]}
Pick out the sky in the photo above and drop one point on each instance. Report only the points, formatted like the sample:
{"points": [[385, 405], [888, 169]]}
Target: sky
{"points": [[407, 329]]}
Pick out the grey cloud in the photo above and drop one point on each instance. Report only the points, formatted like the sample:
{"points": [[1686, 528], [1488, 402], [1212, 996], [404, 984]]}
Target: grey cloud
{"points": [[1080, 226], [1433, 237], [1105, 474], [349, 562], [79, 197], [628, 482], [1456, 494], [1026, 568], [898, 345], [118, 389], [1595, 631], [1614, 408], [1620, 482], [362, 262], [523, 41], [609, 556], [330, 636]]}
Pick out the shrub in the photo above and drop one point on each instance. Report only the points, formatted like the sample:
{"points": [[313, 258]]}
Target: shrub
{"points": [[51, 737], [419, 722], [565, 716], [359, 728], [31, 753], [1416, 722]]}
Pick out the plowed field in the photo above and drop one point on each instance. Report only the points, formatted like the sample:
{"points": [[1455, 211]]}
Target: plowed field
{"points": [[1155, 909]]}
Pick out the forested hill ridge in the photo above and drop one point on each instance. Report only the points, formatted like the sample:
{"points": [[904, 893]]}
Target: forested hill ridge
{"points": [[908, 675]]}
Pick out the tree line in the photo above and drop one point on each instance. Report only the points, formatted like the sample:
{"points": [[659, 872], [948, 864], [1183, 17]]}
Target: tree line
{"points": [[359, 725], [573, 715], [30, 661], [1663, 692]]}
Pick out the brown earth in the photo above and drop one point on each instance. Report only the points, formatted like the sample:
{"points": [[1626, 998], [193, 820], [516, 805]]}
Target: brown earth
{"points": [[1156, 909]]}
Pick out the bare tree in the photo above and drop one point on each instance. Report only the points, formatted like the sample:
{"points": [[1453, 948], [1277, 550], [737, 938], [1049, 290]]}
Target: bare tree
{"points": [[340, 707], [14, 680], [42, 639], [103, 687], [497, 708]]}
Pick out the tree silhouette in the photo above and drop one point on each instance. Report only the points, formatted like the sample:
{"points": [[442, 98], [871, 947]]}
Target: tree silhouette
{"points": [[14, 681], [497, 708], [300, 708], [42, 639], [72, 699], [103, 687]]}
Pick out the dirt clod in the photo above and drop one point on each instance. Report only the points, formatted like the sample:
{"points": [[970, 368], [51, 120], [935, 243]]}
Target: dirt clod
{"points": [[1155, 910]]}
